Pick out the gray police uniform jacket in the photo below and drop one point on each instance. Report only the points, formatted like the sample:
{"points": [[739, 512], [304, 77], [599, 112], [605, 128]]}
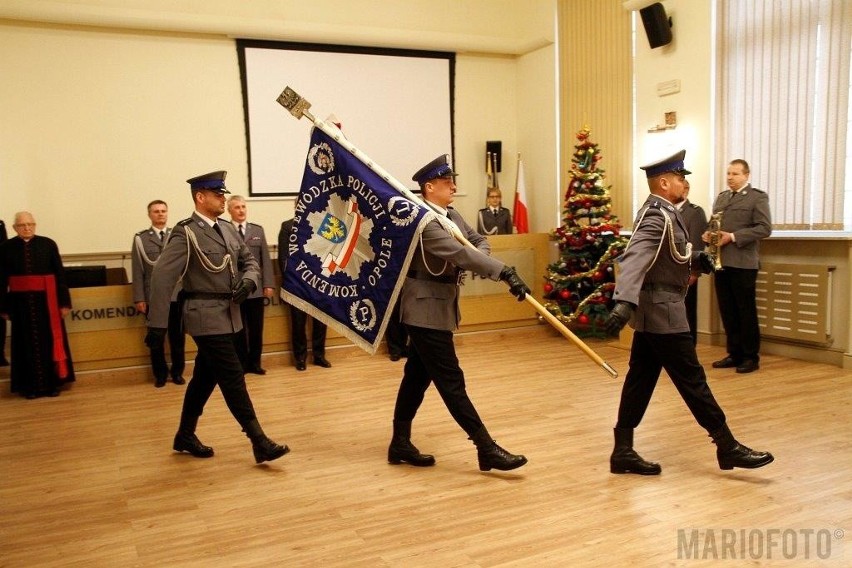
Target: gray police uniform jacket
{"points": [[433, 301], [488, 223], [746, 215], [208, 309], [255, 240], [146, 249], [653, 275]]}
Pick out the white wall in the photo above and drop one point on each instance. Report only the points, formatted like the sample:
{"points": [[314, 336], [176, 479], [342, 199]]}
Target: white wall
{"points": [[108, 104], [689, 59]]}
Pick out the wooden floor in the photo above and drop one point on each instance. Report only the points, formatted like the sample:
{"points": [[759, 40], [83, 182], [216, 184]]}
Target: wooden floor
{"points": [[89, 478]]}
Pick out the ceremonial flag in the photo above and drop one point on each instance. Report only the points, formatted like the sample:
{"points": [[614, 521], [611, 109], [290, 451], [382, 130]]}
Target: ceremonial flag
{"points": [[519, 215], [352, 241], [489, 172]]}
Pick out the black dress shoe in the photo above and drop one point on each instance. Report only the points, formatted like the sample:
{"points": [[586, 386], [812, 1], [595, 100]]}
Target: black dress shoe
{"points": [[626, 460], [748, 366], [179, 380], [160, 383], [322, 362], [301, 366], [395, 356], [30, 396], [4, 362], [189, 442], [726, 363], [54, 393], [257, 370], [742, 456]]}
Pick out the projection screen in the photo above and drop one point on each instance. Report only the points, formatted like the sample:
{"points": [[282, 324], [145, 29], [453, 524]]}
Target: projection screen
{"points": [[394, 105]]}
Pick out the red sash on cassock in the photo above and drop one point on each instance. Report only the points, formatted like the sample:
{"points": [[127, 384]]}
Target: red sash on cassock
{"points": [[46, 283]]}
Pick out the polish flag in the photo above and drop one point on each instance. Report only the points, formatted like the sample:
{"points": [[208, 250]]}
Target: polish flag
{"points": [[519, 215]]}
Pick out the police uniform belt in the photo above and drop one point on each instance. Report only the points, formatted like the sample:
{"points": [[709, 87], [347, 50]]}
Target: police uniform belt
{"points": [[208, 295], [660, 287], [424, 275]]}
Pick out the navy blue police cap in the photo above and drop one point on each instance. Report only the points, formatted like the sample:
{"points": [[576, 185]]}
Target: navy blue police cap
{"points": [[214, 181], [438, 168], [672, 164]]}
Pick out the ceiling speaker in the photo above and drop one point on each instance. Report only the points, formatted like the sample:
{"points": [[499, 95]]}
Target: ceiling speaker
{"points": [[658, 26]]}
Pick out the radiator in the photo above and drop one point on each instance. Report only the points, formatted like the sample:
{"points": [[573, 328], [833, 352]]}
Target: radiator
{"points": [[794, 302]]}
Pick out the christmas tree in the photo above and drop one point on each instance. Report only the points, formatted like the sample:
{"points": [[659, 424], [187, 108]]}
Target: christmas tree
{"points": [[578, 287]]}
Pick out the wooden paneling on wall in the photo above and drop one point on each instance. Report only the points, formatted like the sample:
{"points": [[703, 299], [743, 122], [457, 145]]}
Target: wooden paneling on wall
{"points": [[596, 89]]}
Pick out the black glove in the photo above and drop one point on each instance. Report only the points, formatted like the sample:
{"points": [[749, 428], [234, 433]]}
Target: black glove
{"points": [[705, 262], [155, 337], [242, 290], [516, 286], [618, 317]]}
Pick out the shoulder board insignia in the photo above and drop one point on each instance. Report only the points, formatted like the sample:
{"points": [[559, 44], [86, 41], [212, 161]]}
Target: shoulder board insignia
{"points": [[185, 222], [759, 190], [654, 205], [142, 232]]}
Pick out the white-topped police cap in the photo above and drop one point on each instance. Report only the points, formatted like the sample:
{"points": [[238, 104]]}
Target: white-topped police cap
{"points": [[672, 164], [438, 168], [214, 181]]}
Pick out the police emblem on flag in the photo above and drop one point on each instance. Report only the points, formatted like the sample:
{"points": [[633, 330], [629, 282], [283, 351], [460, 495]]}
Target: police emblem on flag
{"points": [[340, 237]]}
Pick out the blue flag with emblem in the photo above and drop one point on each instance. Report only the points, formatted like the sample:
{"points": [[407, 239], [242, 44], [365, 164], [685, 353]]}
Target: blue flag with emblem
{"points": [[352, 241]]}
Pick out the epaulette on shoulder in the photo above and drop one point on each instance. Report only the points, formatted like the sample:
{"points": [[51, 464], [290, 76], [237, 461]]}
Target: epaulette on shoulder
{"points": [[655, 205], [185, 222], [759, 190], [694, 206], [142, 232]]}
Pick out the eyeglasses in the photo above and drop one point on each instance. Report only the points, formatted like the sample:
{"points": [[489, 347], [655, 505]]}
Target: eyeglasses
{"points": [[24, 225]]}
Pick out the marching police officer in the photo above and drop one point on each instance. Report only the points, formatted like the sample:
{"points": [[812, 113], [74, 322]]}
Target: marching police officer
{"points": [[429, 308], [218, 273], [649, 292]]}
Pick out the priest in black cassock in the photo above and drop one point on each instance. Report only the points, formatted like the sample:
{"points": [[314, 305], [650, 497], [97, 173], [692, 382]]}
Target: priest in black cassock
{"points": [[34, 296], [3, 361]]}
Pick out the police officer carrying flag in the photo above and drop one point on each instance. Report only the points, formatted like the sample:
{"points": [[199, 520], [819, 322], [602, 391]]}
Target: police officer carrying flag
{"points": [[218, 274], [429, 308]]}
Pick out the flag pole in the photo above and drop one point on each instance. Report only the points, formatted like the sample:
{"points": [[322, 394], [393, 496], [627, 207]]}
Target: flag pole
{"points": [[298, 107]]}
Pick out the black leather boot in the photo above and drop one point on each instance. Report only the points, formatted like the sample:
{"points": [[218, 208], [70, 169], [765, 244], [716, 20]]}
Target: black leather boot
{"points": [[492, 456], [624, 458], [401, 450], [187, 441], [731, 453], [264, 448]]}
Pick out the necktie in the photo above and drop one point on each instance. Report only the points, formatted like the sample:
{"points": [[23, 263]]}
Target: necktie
{"points": [[494, 211], [218, 229], [242, 233], [162, 236]]}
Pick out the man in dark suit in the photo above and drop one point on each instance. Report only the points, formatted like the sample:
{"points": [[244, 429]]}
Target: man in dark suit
{"points": [[146, 249], [430, 311], [649, 291], [745, 222], [494, 219], [695, 221], [250, 342], [219, 273], [298, 318]]}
